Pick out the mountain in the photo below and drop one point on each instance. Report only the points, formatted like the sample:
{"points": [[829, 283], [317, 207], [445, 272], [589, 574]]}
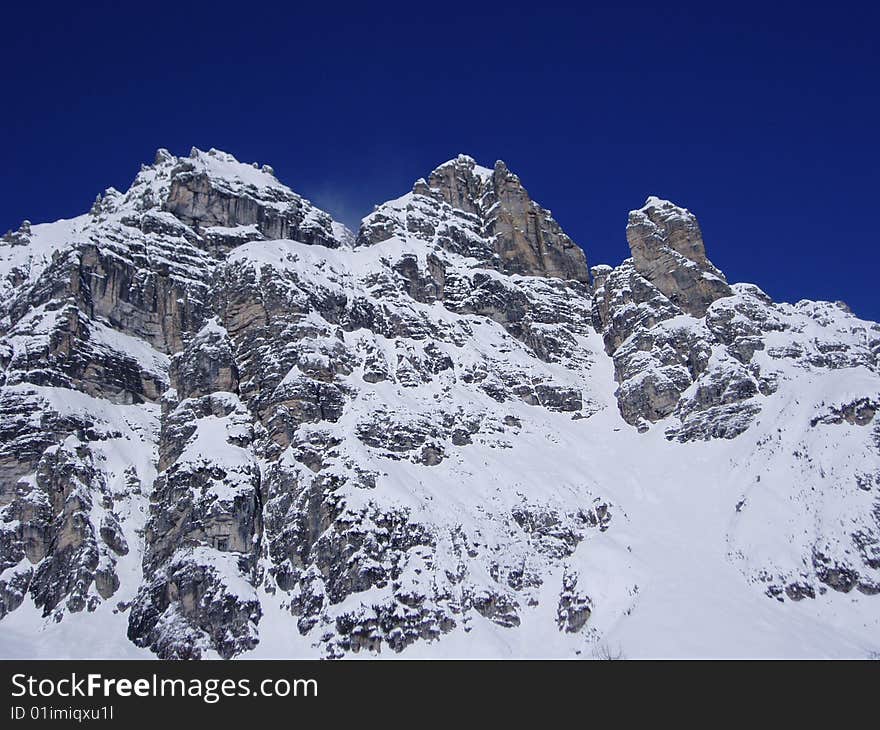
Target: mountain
{"points": [[232, 427]]}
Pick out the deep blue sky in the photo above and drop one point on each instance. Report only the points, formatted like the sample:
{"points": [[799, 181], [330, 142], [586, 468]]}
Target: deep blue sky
{"points": [[761, 118]]}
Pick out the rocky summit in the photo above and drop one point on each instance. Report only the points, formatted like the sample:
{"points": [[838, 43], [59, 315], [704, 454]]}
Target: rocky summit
{"points": [[233, 427]]}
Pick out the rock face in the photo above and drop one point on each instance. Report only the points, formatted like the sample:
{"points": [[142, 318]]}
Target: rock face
{"points": [[214, 193], [482, 213], [230, 425], [667, 249], [656, 313]]}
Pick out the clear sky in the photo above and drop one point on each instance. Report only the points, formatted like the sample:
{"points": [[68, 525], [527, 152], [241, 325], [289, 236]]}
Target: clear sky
{"points": [[761, 118]]}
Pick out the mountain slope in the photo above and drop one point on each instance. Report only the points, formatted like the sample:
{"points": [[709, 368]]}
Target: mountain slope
{"points": [[231, 426]]}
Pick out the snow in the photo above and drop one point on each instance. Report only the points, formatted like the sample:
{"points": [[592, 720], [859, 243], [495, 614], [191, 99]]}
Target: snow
{"points": [[226, 564], [655, 594], [654, 202], [210, 445], [242, 232], [26, 634], [32, 259], [134, 348], [484, 173], [224, 167]]}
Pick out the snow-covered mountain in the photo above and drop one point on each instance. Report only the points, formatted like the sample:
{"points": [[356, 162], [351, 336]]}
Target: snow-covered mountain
{"points": [[232, 427]]}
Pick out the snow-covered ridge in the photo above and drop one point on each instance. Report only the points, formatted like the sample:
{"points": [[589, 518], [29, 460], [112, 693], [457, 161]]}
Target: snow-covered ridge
{"points": [[224, 167], [230, 427]]}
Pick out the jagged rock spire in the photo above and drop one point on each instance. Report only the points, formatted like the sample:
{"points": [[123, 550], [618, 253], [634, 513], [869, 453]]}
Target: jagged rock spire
{"points": [[667, 249], [481, 212]]}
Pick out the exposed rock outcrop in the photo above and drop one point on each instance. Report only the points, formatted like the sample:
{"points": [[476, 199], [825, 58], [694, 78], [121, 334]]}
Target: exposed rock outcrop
{"points": [[482, 213], [218, 196], [649, 311], [667, 249]]}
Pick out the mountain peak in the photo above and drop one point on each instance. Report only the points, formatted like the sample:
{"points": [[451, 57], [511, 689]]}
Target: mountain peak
{"points": [[483, 213], [667, 249], [654, 201], [162, 156], [221, 165], [466, 162]]}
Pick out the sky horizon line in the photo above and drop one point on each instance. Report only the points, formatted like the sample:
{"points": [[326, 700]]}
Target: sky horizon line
{"points": [[760, 119]]}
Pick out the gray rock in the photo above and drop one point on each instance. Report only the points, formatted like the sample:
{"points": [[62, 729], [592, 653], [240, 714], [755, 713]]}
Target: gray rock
{"points": [[482, 213], [667, 249]]}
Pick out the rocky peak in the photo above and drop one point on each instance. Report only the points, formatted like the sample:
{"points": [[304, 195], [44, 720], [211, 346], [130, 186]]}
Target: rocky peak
{"points": [[482, 213], [461, 183], [20, 237], [668, 250], [213, 189]]}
